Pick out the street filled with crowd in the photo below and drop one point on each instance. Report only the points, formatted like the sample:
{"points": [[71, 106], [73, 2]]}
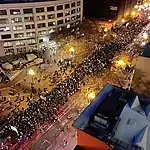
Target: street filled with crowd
{"points": [[20, 126]]}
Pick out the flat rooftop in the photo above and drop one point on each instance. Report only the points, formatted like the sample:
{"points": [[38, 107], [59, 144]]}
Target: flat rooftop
{"points": [[119, 115]]}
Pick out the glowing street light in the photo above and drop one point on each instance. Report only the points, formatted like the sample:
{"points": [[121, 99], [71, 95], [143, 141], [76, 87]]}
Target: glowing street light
{"points": [[133, 13], [121, 63], [136, 6], [105, 30], [91, 95], [31, 72], [71, 49], [123, 20]]}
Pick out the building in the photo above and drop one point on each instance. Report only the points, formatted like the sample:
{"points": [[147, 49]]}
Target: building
{"points": [[26, 25], [126, 7], [141, 77], [117, 119], [104, 10]]}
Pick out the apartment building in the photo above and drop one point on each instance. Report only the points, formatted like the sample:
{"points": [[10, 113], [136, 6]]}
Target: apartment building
{"points": [[25, 24]]}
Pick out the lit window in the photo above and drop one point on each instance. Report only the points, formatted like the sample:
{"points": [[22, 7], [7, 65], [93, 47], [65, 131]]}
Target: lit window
{"points": [[8, 44], [17, 28], [73, 18], [18, 35], [42, 32], [40, 10], [67, 20], [16, 20], [15, 11], [28, 19], [4, 29], [51, 24], [51, 30], [31, 41], [59, 7], [30, 26], [50, 8], [73, 11], [68, 26], [67, 13], [9, 51], [59, 22], [51, 16], [79, 9], [78, 16], [41, 25], [3, 12], [20, 43], [39, 18], [30, 34]]}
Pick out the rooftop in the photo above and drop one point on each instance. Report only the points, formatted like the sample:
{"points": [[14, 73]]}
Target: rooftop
{"points": [[119, 118]]}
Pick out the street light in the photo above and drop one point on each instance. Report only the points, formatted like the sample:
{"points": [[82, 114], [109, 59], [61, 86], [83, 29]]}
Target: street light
{"points": [[71, 49], [91, 95], [121, 63], [133, 13], [31, 72], [123, 20]]}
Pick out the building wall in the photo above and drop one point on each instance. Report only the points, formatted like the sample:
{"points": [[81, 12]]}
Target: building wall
{"points": [[126, 7], [90, 143], [22, 25]]}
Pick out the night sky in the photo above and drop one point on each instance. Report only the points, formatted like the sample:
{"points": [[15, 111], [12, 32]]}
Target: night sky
{"points": [[100, 8]]}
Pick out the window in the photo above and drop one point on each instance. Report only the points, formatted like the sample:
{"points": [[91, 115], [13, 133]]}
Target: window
{"points": [[59, 22], [59, 15], [38, 18], [3, 12], [67, 20], [67, 6], [41, 25], [8, 44], [6, 36], [28, 19], [18, 35], [40, 10], [20, 43], [31, 41], [50, 8], [42, 32], [59, 7], [28, 11], [15, 11], [30, 26], [79, 9], [51, 24], [4, 21], [17, 28], [78, 3], [67, 13], [29, 34], [73, 4], [51, 30], [4, 29], [78, 16], [9, 51], [51, 16], [73, 18], [16, 20], [21, 49], [73, 11]]}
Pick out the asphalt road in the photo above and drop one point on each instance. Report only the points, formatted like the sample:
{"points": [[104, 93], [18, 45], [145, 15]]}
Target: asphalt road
{"points": [[51, 136]]}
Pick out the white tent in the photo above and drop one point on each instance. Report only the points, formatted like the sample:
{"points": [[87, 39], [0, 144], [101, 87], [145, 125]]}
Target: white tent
{"points": [[7, 66], [16, 62], [38, 61], [31, 57]]}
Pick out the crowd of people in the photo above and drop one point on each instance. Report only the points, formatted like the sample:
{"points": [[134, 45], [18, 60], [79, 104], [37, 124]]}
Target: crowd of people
{"points": [[23, 124]]}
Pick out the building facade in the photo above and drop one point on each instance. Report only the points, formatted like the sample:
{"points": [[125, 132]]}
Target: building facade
{"points": [[26, 26]]}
